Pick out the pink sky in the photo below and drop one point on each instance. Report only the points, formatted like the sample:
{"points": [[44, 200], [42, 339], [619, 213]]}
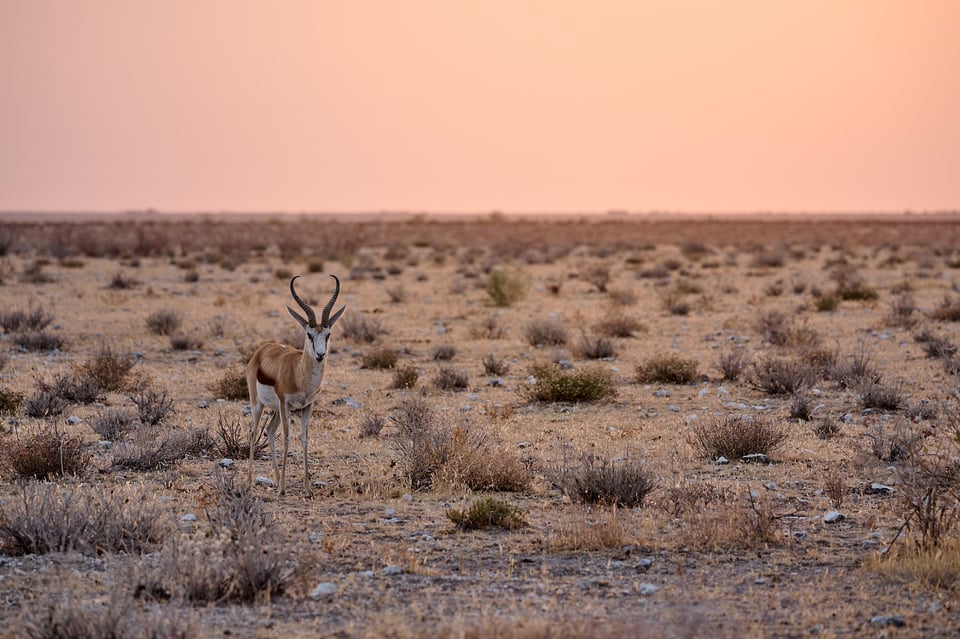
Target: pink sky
{"points": [[462, 105]]}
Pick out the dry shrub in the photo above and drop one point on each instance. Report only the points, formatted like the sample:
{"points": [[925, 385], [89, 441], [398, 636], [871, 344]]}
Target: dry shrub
{"points": [[358, 327], [154, 450], [597, 274], [74, 616], [405, 377], [448, 379], [929, 490], [379, 358], [487, 328], [598, 347], [935, 345], [371, 425], [618, 324], [43, 518], [834, 487], [38, 341], [33, 320], [108, 368], [120, 282], [164, 322], [506, 286], [801, 407], [733, 363], [546, 332], [489, 512], [113, 424], [781, 376], [938, 568], [902, 309], [826, 302], [10, 401], [748, 523], [668, 368], [602, 529], [238, 562], [431, 452], [444, 353], [624, 481], [48, 453], [855, 369], [775, 327], [495, 366], [874, 394], [232, 439], [185, 342], [893, 442], [232, 386], [948, 311], [556, 385], [153, 406], [734, 437]]}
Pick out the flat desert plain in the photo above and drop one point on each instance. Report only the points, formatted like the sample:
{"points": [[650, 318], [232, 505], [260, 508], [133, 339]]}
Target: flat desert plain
{"points": [[613, 426]]}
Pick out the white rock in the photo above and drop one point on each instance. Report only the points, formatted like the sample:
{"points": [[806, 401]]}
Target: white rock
{"points": [[647, 589], [263, 481], [226, 462], [189, 517], [832, 517], [324, 590]]}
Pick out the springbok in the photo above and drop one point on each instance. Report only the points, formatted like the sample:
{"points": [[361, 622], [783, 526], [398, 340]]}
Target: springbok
{"points": [[287, 381]]}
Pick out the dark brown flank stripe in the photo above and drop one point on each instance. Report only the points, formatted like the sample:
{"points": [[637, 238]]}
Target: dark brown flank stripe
{"points": [[265, 379]]}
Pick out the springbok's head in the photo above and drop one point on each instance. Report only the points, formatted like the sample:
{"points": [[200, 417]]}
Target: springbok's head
{"points": [[317, 336]]}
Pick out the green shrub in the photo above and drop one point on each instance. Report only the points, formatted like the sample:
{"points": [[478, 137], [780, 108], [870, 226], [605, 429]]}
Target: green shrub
{"points": [[506, 287], [555, 385]]}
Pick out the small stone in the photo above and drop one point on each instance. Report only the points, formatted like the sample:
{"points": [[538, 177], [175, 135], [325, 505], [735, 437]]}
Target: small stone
{"points": [[759, 458], [203, 403], [721, 460], [881, 489], [347, 401], [565, 364], [647, 589], [800, 535], [673, 408], [832, 517], [496, 382], [263, 481], [643, 564], [324, 590], [226, 462], [389, 512], [661, 393], [315, 538], [390, 571], [770, 485], [888, 620], [104, 444], [73, 419], [523, 445], [189, 517], [407, 497]]}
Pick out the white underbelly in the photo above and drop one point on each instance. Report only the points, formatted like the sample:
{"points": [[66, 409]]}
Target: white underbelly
{"points": [[268, 396]]}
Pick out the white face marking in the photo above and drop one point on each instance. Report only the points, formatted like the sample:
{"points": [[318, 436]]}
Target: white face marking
{"points": [[315, 343]]}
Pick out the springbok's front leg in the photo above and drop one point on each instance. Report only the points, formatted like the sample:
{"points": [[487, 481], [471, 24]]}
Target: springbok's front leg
{"points": [[304, 419], [285, 420]]}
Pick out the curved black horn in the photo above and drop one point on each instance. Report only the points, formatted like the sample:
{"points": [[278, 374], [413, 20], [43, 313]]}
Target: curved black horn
{"points": [[325, 316], [311, 316]]}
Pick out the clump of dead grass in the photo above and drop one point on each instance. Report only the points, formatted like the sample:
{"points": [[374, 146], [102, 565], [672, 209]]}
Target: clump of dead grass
{"points": [[734, 437], [489, 512], [624, 481], [49, 452], [667, 368]]}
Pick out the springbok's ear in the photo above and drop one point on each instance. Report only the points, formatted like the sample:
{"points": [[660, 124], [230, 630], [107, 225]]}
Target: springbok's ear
{"points": [[301, 320], [336, 316]]}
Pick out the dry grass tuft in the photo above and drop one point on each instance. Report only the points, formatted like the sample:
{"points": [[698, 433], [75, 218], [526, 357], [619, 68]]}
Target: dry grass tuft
{"points": [[668, 368], [623, 481], [488, 513], [734, 437]]}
